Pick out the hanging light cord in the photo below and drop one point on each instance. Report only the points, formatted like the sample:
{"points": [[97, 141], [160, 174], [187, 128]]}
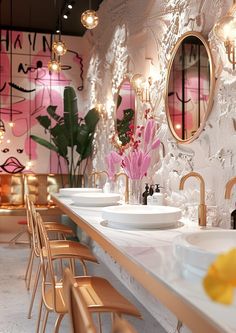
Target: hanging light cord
{"points": [[11, 64], [30, 104]]}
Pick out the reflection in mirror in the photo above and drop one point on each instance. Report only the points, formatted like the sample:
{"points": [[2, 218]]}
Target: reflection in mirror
{"points": [[125, 111], [190, 87]]}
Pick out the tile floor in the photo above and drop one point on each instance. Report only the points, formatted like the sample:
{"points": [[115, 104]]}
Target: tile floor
{"points": [[14, 298]]}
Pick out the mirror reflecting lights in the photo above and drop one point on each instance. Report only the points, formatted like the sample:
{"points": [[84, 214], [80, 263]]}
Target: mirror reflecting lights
{"points": [[190, 87]]}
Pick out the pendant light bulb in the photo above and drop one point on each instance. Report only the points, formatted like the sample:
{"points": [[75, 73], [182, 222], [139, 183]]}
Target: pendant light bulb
{"points": [[54, 66], [59, 48], [11, 124], [89, 19], [2, 128]]}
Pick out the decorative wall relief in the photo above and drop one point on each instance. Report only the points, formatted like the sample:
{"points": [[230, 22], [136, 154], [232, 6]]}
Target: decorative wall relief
{"points": [[152, 33], [26, 90], [113, 68]]}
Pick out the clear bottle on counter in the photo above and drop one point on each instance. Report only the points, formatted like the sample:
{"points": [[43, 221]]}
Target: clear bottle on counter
{"points": [[157, 198]]}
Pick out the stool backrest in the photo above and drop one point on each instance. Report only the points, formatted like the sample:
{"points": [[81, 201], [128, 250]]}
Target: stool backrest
{"points": [[80, 317]]}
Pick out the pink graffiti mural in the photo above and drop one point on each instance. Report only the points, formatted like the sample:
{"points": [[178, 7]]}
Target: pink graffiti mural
{"points": [[26, 90]]}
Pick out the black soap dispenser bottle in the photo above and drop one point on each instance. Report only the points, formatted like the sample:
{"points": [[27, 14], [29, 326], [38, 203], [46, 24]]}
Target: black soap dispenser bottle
{"points": [[150, 194], [145, 194]]}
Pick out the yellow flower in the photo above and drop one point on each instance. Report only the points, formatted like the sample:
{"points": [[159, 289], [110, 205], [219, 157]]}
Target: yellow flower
{"points": [[220, 281]]}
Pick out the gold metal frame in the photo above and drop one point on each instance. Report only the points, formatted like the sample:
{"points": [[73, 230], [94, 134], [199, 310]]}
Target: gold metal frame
{"points": [[212, 86], [126, 78]]}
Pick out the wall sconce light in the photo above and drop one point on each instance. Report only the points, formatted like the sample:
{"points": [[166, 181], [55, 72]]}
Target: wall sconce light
{"points": [[142, 87], [225, 30]]}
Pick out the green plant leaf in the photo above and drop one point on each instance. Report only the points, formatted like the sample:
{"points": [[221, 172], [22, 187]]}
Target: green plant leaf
{"points": [[62, 144], [44, 121], [91, 119], [82, 138], [70, 111], [44, 143], [51, 110], [88, 149], [57, 130]]}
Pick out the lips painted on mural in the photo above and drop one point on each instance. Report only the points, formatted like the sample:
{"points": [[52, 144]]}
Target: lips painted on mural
{"points": [[12, 165]]}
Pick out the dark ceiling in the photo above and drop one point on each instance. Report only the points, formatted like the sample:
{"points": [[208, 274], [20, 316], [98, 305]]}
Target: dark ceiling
{"points": [[42, 15]]}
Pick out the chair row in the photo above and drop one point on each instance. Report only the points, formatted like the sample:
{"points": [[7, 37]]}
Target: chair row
{"points": [[81, 295]]}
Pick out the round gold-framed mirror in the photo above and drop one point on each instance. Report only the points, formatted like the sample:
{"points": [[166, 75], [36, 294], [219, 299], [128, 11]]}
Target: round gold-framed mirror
{"points": [[190, 87], [125, 111]]}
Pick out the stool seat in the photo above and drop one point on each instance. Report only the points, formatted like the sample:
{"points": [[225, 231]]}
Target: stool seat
{"points": [[23, 222]]}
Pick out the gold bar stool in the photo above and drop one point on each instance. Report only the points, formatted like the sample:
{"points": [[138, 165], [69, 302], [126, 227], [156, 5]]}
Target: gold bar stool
{"points": [[53, 227], [61, 249], [98, 293], [80, 308]]}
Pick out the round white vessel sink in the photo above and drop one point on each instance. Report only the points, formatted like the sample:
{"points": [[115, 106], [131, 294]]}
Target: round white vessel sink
{"points": [[68, 191], [141, 217], [196, 251], [95, 199]]}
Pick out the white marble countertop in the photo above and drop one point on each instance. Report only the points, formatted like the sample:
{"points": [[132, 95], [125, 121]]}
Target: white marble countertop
{"points": [[151, 251]]}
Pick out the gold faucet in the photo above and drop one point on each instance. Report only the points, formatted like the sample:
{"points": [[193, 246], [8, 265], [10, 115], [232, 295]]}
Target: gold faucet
{"points": [[229, 186], [126, 184], [202, 206], [92, 178]]}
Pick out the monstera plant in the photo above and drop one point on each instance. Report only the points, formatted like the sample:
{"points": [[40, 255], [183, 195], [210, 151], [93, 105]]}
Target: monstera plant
{"points": [[71, 137]]}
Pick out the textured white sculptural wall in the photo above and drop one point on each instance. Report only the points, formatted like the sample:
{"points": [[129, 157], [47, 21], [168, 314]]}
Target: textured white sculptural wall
{"points": [[130, 32]]}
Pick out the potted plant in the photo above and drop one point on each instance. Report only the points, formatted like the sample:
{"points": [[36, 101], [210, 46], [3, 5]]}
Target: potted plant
{"points": [[71, 136]]}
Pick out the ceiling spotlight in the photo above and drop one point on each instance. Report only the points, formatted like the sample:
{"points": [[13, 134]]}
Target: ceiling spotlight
{"points": [[89, 19], [59, 48], [65, 16], [54, 66], [69, 6], [58, 31]]}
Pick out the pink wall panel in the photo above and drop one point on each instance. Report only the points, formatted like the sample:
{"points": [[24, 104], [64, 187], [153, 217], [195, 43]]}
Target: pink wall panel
{"points": [[26, 90]]}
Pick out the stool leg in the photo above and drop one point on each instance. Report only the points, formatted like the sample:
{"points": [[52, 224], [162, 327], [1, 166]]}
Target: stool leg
{"points": [[58, 323], [14, 239], [45, 321], [30, 273], [36, 281], [29, 263], [39, 315]]}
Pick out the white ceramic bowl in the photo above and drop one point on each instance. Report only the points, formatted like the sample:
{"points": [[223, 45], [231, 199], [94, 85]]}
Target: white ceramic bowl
{"points": [[141, 217], [95, 199], [197, 250], [68, 191]]}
